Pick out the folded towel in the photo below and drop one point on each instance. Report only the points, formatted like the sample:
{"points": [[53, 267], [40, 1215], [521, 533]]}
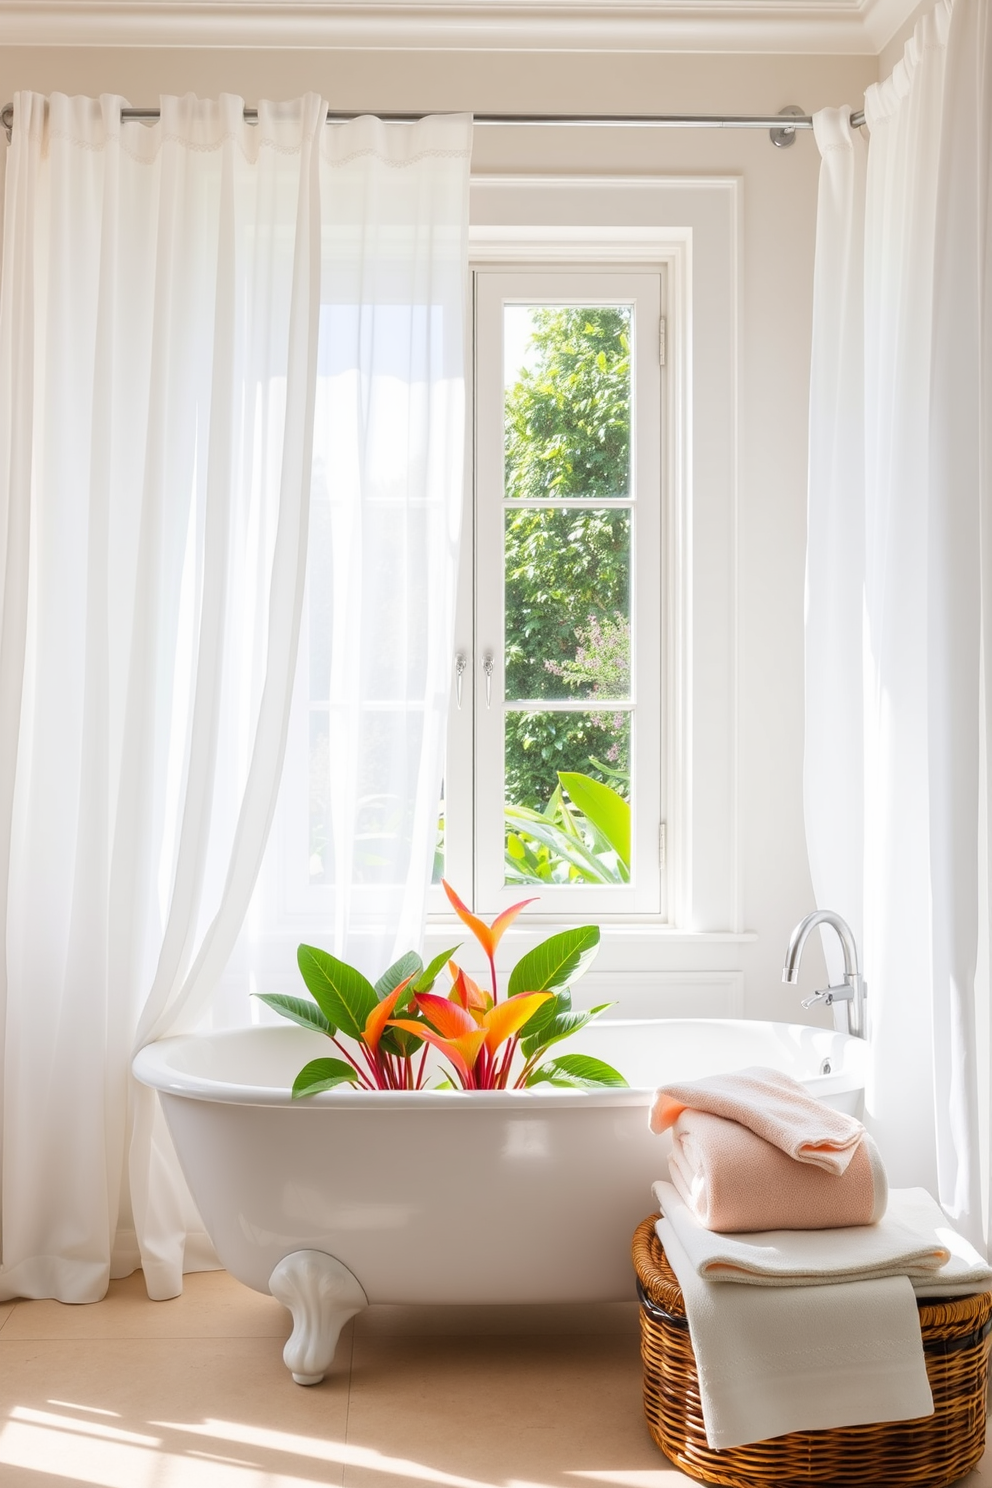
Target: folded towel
{"points": [[965, 1273], [733, 1180], [800, 1358], [896, 1246], [773, 1106]]}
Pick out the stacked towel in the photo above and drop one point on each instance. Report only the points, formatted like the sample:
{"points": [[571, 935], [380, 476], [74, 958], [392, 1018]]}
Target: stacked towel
{"points": [[825, 1332], [774, 1190], [754, 1150], [797, 1358], [733, 1180]]}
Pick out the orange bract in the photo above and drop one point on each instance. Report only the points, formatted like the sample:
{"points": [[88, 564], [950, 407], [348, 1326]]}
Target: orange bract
{"points": [[488, 936], [449, 1018], [467, 993], [507, 1018], [462, 1051], [380, 1015]]}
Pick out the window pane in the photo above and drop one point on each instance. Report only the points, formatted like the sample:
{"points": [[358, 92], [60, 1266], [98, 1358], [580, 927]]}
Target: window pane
{"points": [[567, 597], [567, 401], [567, 797]]}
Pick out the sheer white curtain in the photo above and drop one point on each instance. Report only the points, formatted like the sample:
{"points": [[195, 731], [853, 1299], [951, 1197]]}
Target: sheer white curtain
{"points": [[912, 589], [163, 315], [350, 860]]}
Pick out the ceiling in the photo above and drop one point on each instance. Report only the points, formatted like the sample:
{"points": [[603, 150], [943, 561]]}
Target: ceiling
{"points": [[799, 26]]}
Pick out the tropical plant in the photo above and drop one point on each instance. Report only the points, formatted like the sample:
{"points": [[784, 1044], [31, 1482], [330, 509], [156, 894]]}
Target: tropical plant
{"points": [[581, 837], [396, 1021]]}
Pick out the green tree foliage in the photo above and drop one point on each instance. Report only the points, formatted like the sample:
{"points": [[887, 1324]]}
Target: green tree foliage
{"points": [[568, 416], [567, 571]]}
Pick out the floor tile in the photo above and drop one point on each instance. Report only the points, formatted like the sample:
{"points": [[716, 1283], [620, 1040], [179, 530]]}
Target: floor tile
{"points": [[6, 1309], [559, 1411], [166, 1413], [212, 1305]]}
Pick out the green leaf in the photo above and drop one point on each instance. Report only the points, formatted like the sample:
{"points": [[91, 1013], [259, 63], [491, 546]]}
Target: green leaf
{"points": [[608, 812], [298, 1010], [531, 824], [343, 995], [578, 1072], [547, 1012], [408, 965], [560, 1027], [429, 977], [556, 962], [323, 1074]]}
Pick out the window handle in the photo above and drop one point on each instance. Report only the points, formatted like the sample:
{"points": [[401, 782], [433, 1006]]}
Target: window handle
{"points": [[459, 673], [489, 666]]}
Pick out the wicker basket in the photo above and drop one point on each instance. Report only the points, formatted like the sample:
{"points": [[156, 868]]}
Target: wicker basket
{"points": [[932, 1451]]}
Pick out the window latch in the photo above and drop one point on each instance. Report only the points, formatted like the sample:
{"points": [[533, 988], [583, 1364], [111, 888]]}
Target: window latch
{"points": [[459, 673], [489, 666]]}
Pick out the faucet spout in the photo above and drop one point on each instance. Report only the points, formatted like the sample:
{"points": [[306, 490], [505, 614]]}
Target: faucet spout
{"points": [[853, 990]]}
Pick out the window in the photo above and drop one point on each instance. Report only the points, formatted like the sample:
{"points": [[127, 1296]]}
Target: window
{"points": [[662, 248], [555, 766]]}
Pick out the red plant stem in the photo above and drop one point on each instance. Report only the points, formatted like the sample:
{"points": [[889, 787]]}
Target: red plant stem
{"points": [[370, 1061], [364, 1080], [420, 1071], [520, 1082], [504, 1072]]}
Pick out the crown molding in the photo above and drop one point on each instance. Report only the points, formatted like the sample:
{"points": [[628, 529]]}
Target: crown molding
{"points": [[797, 26]]}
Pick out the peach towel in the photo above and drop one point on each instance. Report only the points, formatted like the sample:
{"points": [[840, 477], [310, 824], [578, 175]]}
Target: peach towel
{"points": [[773, 1106], [732, 1180]]}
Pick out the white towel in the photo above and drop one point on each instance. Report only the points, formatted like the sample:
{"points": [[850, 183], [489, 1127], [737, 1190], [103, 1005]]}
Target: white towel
{"points": [[800, 1358], [905, 1242], [965, 1273]]}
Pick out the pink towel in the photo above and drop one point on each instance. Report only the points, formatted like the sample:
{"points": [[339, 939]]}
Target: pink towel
{"points": [[773, 1106], [734, 1181]]}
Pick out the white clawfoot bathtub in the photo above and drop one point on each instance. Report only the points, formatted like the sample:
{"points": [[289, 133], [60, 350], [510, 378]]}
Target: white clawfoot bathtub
{"points": [[349, 1198]]}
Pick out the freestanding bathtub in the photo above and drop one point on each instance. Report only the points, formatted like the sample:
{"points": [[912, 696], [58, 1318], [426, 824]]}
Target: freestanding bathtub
{"points": [[349, 1198]]}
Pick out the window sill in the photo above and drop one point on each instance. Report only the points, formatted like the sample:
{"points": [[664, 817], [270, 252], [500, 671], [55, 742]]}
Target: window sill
{"points": [[611, 928]]}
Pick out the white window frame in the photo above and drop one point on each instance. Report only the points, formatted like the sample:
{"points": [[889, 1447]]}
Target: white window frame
{"points": [[691, 228]]}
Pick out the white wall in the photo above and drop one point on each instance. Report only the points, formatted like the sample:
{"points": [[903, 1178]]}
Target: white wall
{"points": [[779, 197]]}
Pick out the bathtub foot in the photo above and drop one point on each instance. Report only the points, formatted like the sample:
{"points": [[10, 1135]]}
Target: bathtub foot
{"points": [[322, 1294]]}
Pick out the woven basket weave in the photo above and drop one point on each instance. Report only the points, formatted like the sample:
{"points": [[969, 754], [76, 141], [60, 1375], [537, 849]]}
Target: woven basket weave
{"points": [[933, 1451]]}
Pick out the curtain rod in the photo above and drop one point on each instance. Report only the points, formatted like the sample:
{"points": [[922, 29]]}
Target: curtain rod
{"points": [[782, 134]]}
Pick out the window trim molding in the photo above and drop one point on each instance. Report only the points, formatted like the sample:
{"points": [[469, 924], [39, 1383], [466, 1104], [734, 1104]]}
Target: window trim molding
{"points": [[691, 226]]}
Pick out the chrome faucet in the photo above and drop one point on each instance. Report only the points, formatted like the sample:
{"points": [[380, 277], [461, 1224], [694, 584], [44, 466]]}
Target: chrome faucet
{"points": [[853, 992]]}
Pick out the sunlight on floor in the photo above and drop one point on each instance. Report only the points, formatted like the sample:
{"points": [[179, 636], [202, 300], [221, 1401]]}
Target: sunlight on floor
{"points": [[193, 1393], [85, 1451]]}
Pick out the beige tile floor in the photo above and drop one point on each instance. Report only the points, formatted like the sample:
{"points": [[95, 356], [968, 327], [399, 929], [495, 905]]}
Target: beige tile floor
{"points": [[193, 1393]]}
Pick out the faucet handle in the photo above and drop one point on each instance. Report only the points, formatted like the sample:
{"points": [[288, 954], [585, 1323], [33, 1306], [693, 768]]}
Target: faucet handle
{"points": [[829, 995], [822, 996]]}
